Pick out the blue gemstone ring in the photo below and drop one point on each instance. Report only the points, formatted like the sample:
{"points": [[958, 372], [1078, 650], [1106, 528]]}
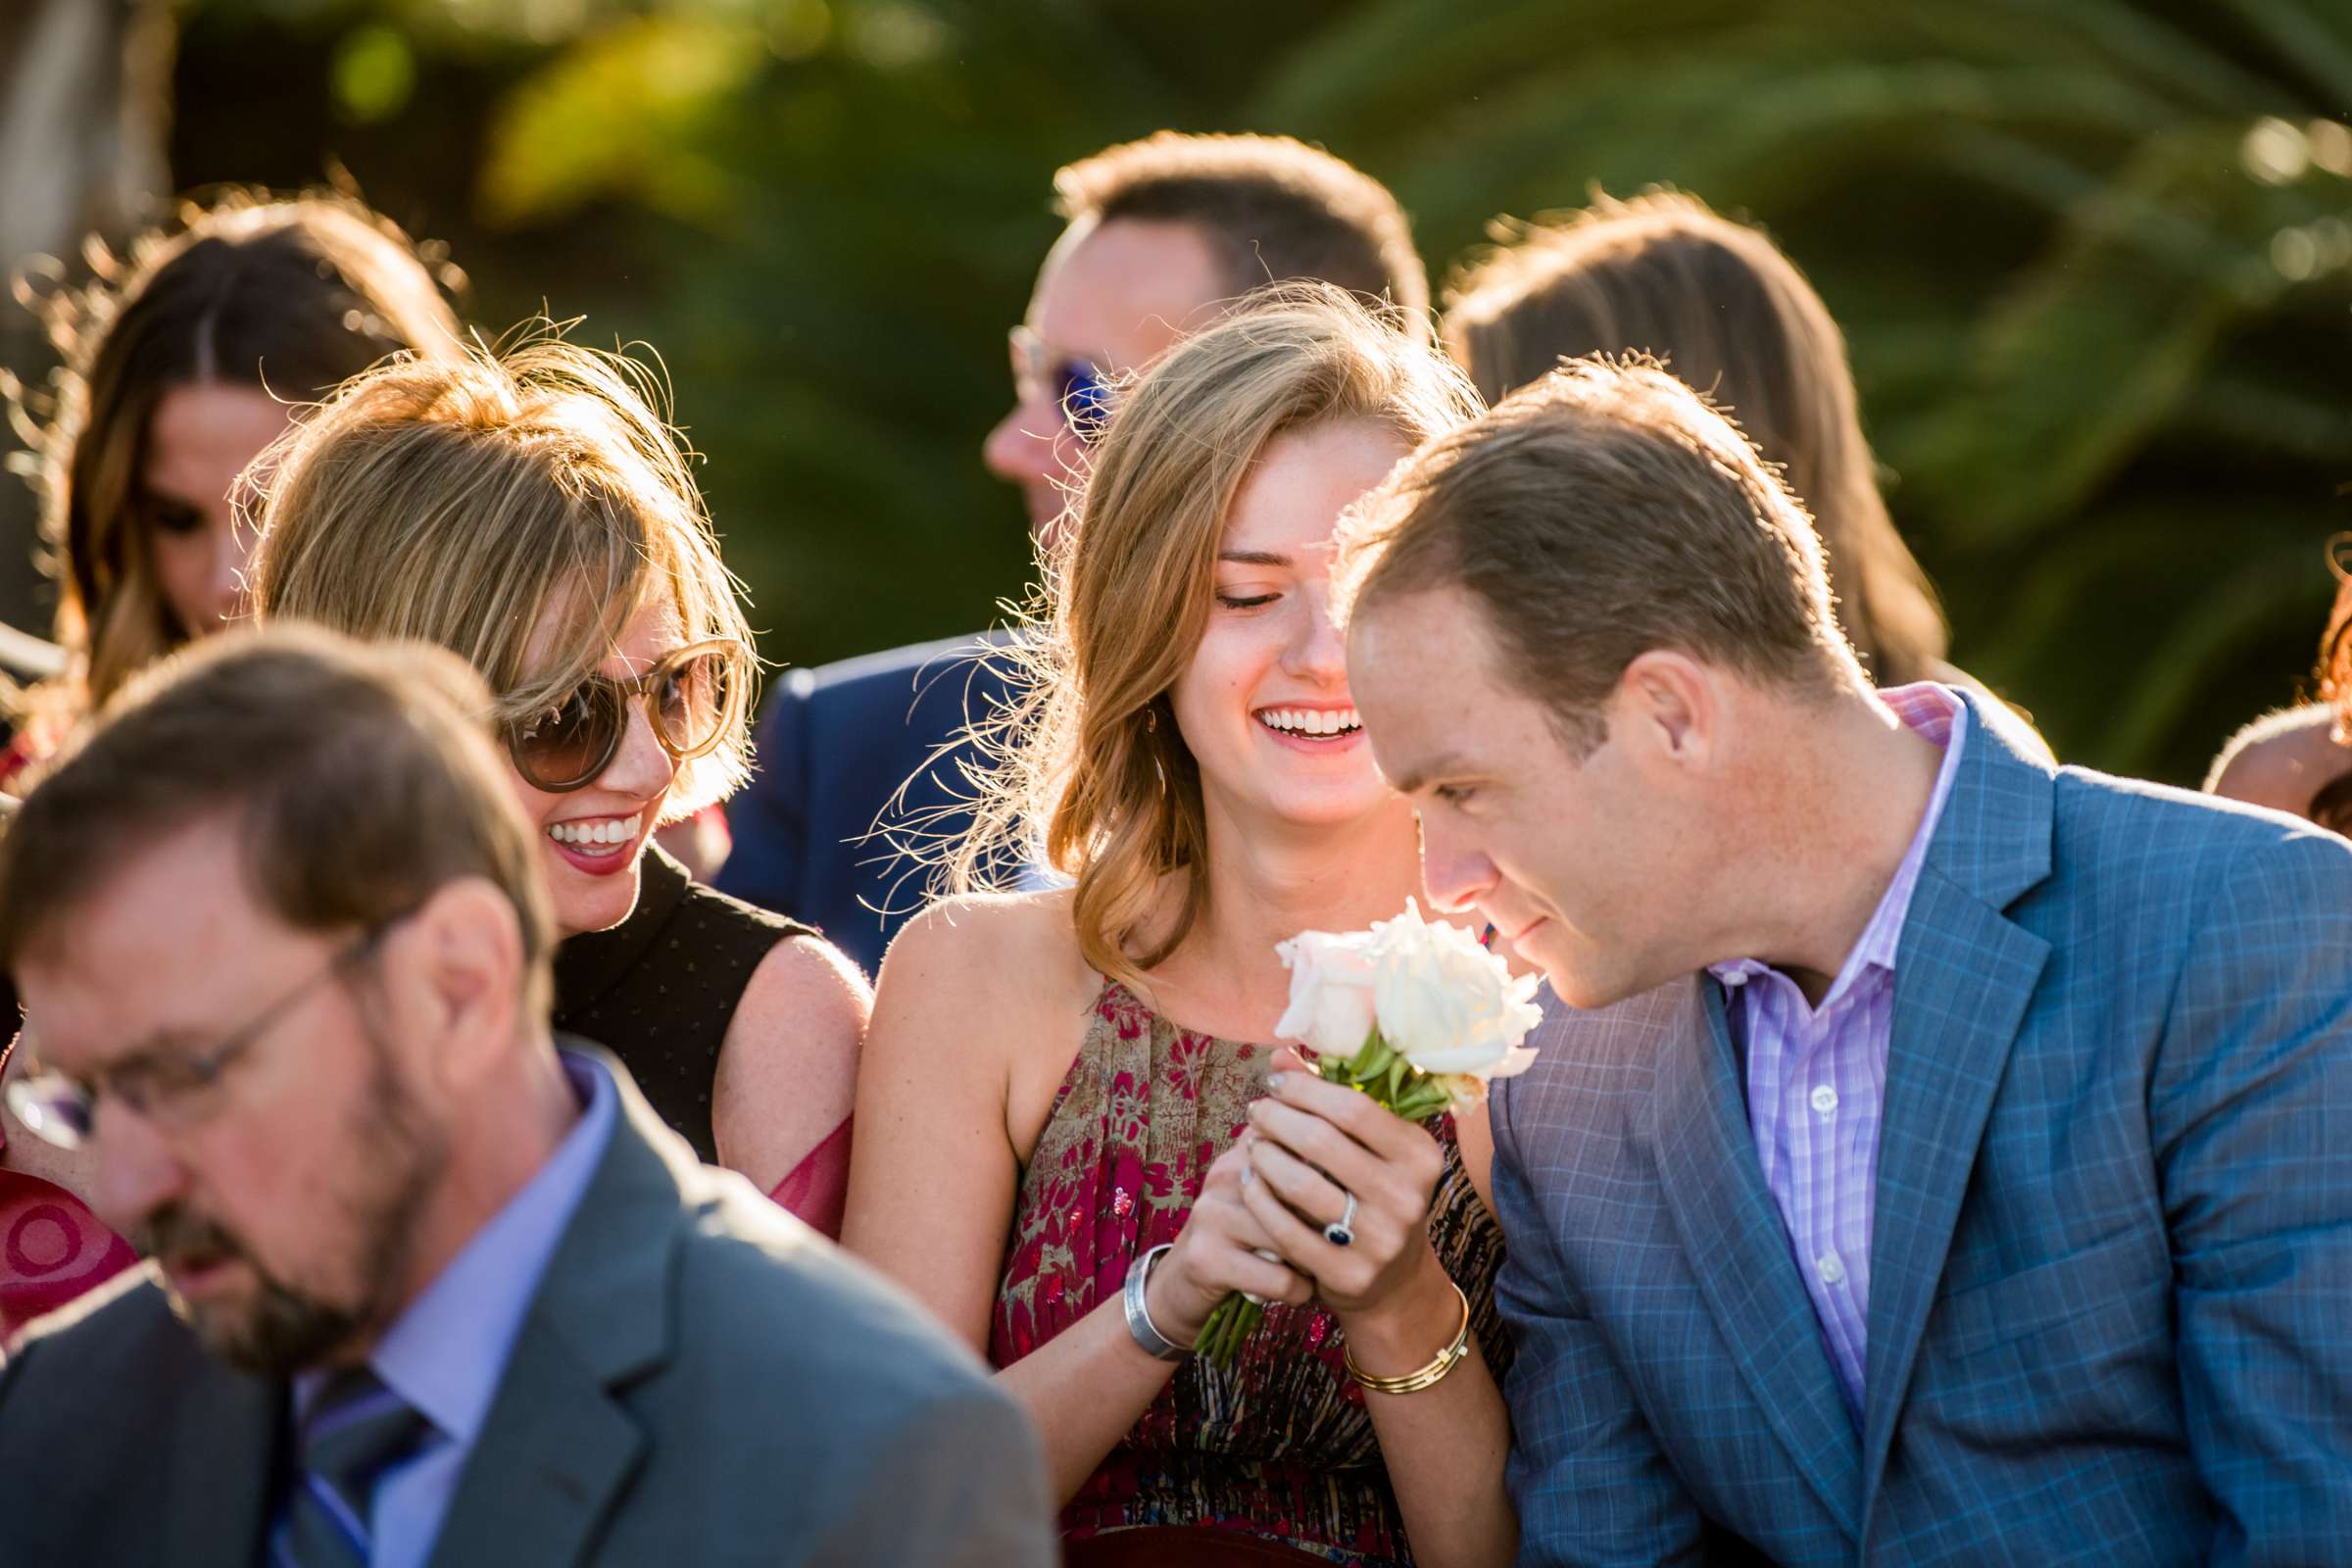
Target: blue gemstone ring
{"points": [[1341, 1232]]}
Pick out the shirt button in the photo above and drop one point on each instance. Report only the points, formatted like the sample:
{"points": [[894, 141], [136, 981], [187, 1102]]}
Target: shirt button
{"points": [[1824, 1100], [1831, 1267]]}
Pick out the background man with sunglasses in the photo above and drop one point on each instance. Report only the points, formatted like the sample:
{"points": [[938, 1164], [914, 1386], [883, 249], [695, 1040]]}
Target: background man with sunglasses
{"points": [[1161, 233], [423, 1284]]}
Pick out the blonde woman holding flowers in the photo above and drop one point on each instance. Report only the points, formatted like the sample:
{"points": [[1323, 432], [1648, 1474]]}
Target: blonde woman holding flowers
{"points": [[1076, 1137]]}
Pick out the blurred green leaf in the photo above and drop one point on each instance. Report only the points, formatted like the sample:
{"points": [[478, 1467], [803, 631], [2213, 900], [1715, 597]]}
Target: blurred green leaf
{"points": [[2312, 41], [375, 73], [620, 114]]}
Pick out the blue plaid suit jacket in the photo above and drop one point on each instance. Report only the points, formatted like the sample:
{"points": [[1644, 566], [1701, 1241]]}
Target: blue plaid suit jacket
{"points": [[2111, 1268]]}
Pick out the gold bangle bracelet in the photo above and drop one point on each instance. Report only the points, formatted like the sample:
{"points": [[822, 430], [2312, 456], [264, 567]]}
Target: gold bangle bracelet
{"points": [[1428, 1377]]}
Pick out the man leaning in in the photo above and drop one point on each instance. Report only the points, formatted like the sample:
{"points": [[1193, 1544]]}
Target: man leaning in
{"points": [[424, 1283], [1957, 1165]]}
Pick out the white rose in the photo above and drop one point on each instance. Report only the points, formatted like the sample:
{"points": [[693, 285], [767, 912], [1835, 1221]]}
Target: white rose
{"points": [[1331, 992], [1448, 1006]]}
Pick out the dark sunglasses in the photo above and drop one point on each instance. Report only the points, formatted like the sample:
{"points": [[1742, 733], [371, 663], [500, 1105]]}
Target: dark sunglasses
{"points": [[1078, 389], [692, 696]]}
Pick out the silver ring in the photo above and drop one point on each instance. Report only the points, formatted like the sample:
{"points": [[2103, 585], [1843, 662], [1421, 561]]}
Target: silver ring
{"points": [[1341, 1232]]}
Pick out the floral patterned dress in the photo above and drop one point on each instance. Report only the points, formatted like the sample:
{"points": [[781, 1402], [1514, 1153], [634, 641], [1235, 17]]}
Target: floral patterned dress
{"points": [[1278, 1446]]}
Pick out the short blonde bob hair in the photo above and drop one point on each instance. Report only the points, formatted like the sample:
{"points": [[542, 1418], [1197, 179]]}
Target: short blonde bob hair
{"points": [[462, 502], [1091, 757]]}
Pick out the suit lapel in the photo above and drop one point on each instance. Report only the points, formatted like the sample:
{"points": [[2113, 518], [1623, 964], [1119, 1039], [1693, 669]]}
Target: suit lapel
{"points": [[1964, 977], [219, 1502], [559, 1449], [1734, 1241], [1962, 980], [547, 1467]]}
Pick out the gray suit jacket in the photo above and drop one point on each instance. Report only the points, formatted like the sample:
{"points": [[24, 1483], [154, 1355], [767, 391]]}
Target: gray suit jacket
{"points": [[2111, 1262], [701, 1379]]}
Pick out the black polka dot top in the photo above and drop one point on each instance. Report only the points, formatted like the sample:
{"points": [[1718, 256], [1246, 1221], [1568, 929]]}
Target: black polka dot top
{"points": [[660, 989]]}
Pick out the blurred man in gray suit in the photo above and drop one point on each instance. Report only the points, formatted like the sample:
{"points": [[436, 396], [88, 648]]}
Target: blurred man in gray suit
{"points": [[424, 1283]]}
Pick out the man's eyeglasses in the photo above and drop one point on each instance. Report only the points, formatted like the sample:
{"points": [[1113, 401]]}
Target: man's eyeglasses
{"points": [[170, 1092], [692, 696], [1077, 388]]}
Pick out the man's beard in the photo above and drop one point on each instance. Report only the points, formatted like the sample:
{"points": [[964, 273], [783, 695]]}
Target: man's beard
{"points": [[396, 1157]]}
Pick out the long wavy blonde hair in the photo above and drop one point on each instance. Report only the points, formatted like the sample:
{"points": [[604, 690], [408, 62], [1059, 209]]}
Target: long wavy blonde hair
{"points": [[458, 501], [1088, 766]]}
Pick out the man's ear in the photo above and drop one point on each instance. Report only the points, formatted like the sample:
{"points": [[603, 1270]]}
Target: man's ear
{"points": [[465, 957], [1667, 703]]}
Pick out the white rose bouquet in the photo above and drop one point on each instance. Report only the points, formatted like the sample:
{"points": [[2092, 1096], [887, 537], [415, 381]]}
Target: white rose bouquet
{"points": [[1412, 1013]]}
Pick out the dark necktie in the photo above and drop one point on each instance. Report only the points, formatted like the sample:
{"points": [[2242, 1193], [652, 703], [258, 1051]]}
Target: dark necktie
{"points": [[356, 1427]]}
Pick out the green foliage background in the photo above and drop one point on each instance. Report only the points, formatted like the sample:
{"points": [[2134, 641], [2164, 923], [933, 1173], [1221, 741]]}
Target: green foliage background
{"points": [[2093, 256]]}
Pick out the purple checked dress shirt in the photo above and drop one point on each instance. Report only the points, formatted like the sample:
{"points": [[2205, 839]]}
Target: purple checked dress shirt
{"points": [[1817, 1076]]}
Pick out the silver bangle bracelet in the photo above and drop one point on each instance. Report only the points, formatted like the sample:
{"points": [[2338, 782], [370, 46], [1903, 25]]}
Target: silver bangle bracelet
{"points": [[1140, 1326]]}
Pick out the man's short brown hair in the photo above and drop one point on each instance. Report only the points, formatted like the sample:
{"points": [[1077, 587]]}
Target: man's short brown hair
{"points": [[1273, 209], [361, 779], [1597, 513]]}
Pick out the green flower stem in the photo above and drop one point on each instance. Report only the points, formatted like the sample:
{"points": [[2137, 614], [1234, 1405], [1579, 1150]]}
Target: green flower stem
{"points": [[1246, 1318], [1234, 1320]]}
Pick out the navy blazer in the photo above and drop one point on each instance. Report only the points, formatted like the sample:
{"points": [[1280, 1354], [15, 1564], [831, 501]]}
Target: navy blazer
{"points": [[833, 749], [2111, 1259]]}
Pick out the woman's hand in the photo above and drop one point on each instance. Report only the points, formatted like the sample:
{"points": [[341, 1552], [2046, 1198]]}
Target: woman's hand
{"points": [[1216, 1254], [1315, 1144]]}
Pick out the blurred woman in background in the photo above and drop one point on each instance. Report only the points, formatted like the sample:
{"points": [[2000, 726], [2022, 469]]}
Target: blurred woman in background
{"points": [[181, 363], [2300, 761], [534, 513], [1731, 316], [1070, 1148]]}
